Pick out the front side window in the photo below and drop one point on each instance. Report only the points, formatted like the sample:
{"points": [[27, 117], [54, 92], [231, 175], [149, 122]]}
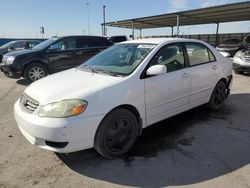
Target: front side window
{"points": [[120, 59], [32, 44], [198, 54], [64, 44], [171, 56]]}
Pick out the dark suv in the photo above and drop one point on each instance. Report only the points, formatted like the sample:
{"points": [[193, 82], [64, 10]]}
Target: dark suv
{"points": [[52, 55]]}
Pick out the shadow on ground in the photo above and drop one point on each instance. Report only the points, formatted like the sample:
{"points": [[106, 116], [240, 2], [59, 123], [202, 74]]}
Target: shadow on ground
{"points": [[192, 147], [22, 82]]}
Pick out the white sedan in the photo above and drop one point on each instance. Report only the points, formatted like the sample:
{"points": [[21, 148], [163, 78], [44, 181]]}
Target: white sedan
{"points": [[107, 101]]}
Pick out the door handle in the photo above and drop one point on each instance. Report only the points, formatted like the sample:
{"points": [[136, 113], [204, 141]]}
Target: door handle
{"points": [[214, 67], [186, 75]]}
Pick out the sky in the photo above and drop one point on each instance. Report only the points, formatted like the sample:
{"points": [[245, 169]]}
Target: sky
{"points": [[23, 18]]}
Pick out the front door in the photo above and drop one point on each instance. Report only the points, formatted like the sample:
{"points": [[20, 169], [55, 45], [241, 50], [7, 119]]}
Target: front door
{"points": [[61, 55], [167, 94]]}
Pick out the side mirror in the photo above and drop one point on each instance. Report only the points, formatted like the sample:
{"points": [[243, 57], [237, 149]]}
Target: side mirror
{"points": [[11, 48], [156, 70]]}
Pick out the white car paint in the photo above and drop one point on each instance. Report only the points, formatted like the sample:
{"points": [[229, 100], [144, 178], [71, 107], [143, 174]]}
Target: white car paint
{"points": [[155, 98]]}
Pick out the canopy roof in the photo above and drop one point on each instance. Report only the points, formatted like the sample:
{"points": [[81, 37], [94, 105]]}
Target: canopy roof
{"points": [[217, 14]]}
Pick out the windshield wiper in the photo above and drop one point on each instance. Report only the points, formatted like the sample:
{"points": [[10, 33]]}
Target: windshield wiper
{"points": [[89, 69], [111, 73]]}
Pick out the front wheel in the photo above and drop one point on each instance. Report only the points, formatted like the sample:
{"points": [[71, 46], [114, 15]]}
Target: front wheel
{"points": [[218, 96], [35, 72], [116, 134]]}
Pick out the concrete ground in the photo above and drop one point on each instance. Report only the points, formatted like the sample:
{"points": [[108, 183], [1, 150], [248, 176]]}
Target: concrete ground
{"points": [[198, 148]]}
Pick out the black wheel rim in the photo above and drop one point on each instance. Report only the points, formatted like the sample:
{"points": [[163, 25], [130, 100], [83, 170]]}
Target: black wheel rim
{"points": [[120, 135], [220, 95]]}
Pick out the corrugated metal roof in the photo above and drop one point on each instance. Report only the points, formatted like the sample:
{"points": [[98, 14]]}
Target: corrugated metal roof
{"points": [[224, 13]]}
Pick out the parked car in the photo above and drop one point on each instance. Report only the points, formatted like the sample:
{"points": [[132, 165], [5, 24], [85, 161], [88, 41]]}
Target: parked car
{"points": [[106, 102], [117, 39], [241, 61], [17, 45], [52, 55], [230, 46]]}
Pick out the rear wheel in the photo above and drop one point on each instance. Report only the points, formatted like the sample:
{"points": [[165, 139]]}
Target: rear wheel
{"points": [[117, 134], [218, 96], [35, 71]]}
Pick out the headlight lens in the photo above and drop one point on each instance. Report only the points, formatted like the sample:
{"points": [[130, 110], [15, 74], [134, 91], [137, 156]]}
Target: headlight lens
{"points": [[10, 60], [239, 54], [64, 108]]}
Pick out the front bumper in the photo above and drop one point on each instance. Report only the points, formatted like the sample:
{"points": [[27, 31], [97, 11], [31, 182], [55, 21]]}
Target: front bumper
{"points": [[10, 71], [241, 65], [76, 133]]}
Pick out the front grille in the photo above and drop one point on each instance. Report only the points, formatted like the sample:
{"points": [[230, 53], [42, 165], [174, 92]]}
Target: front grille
{"points": [[28, 104]]}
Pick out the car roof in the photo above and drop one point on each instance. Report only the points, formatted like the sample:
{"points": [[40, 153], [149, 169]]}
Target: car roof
{"points": [[162, 40]]}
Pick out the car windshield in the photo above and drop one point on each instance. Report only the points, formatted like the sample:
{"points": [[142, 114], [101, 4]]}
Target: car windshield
{"points": [[232, 41], [44, 44], [7, 44], [119, 60]]}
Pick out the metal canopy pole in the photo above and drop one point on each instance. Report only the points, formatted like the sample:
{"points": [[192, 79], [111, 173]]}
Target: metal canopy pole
{"points": [[172, 31], [133, 30], [216, 36], [104, 22], [140, 33], [177, 24]]}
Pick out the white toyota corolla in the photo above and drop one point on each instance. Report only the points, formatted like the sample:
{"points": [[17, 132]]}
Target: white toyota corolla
{"points": [[105, 102]]}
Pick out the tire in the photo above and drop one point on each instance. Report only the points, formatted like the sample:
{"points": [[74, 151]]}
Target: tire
{"points": [[238, 72], [116, 134], [218, 96], [35, 71]]}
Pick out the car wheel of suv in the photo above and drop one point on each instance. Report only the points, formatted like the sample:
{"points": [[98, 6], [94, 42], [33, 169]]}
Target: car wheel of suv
{"points": [[116, 134], [218, 96], [35, 72]]}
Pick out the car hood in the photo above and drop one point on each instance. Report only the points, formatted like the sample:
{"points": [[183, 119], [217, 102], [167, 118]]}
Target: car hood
{"points": [[20, 52], [3, 51], [229, 46], [70, 84]]}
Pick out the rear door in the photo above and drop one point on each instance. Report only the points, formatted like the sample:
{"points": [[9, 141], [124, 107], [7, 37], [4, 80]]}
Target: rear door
{"points": [[204, 71], [61, 54], [87, 47]]}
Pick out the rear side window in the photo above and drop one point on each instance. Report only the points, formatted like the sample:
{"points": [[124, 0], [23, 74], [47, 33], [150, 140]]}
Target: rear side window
{"points": [[198, 54], [91, 42], [103, 42], [86, 42], [118, 38]]}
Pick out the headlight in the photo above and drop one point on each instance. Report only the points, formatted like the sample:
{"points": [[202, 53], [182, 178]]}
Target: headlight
{"points": [[10, 60], [64, 108], [239, 54]]}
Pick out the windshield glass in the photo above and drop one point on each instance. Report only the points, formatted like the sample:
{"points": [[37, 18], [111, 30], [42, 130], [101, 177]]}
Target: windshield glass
{"points": [[7, 44], [44, 44], [120, 59]]}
